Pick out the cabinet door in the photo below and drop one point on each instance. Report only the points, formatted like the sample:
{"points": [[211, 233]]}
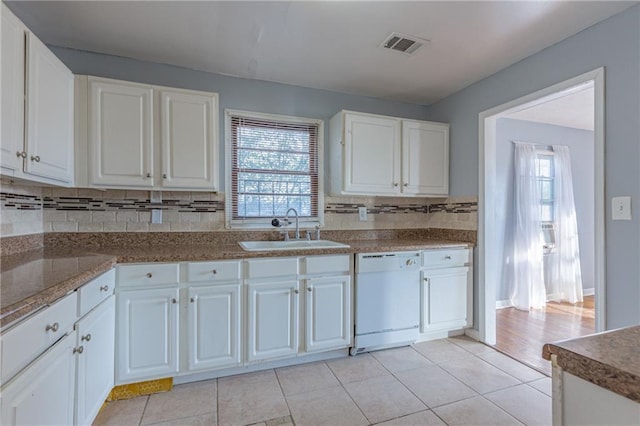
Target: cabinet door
{"points": [[214, 327], [43, 393], [425, 158], [49, 124], [189, 137], [147, 342], [372, 155], [12, 89], [328, 313], [273, 320], [120, 133], [96, 335], [444, 298]]}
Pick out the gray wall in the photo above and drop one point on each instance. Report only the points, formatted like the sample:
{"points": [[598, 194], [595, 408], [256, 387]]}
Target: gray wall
{"points": [[614, 44], [236, 93], [580, 143]]}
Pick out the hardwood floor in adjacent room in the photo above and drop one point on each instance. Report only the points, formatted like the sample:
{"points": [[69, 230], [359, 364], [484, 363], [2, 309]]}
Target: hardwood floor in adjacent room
{"points": [[522, 334]]}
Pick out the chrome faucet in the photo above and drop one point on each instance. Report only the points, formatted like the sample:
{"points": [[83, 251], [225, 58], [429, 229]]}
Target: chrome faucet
{"points": [[286, 219]]}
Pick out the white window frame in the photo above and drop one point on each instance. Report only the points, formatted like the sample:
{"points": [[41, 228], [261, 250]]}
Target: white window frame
{"points": [[265, 223]]}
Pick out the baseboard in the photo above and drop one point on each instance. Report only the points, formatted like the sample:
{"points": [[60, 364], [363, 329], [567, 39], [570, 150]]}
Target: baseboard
{"points": [[501, 304], [474, 334], [589, 291]]}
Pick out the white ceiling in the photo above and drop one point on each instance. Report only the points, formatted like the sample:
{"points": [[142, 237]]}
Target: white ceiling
{"points": [[574, 110], [330, 45]]}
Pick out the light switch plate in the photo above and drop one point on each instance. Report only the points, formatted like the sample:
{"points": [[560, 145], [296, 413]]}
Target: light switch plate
{"points": [[362, 214], [621, 208]]}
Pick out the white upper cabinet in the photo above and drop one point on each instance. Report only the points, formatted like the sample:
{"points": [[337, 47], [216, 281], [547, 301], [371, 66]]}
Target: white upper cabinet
{"points": [[425, 158], [140, 136], [371, 154], [388, 156], [37, 108], [12, 89], [188, 139], [121, 133]]}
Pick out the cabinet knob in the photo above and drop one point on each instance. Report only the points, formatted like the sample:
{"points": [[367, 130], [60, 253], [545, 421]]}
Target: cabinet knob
{"points": [[174, 300], [406, 184], [35, 158], [148, 175], [87, 337], [21, 154], [296, 291], [395, 184], [53, 327], [192, 300], [104, 288], [78, 350], [149, 275], [164, 176], [214, 271], [447, 257], [309, 289]]}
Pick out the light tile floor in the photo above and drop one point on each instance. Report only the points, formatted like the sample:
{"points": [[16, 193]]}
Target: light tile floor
{"points": [[454, 381]]}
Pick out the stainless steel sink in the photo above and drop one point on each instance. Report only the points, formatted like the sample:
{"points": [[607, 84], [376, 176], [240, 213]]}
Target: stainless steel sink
{"points": [[289, 245]]}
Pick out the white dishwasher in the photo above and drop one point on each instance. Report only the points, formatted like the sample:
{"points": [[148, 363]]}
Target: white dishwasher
{"points": [[387, 294]]}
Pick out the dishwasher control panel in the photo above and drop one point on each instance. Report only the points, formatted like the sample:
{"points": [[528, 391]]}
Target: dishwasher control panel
{"points": [[383, 262]]}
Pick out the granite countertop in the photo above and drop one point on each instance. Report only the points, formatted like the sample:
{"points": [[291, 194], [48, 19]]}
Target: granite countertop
{"points": [[610, 359], [37, 278], [34, 279]]}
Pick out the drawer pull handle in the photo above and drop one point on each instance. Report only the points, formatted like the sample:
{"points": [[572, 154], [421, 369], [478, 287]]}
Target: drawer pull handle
{"points": [[53, 327], [35, 158], [104, 288], [87, 337], [174, 300], [78, 350], [447, 257], [21, 154], [149, 275], [214, 272]]}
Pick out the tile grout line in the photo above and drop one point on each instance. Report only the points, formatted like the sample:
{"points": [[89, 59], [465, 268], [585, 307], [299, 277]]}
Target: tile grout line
{"points": [[143, 410], [347, 392], [283, 395]]}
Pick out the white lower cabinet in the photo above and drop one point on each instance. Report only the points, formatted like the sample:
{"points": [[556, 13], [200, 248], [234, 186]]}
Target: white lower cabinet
{"points": [[328, 313], [147, 342], [272, 313], [446, 290], [96, 341], [43, 393], [213, 326]]}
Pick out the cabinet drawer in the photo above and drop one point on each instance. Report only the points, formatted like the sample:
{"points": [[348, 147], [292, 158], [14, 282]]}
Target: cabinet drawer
{"points": [[444, 258], [147, 274], [324, 264], [273, 267], [213, 271], [95, 291], [27, 340]]}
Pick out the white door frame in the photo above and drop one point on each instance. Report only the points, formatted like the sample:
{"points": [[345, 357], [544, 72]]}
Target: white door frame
{"points": [[487, 267]]}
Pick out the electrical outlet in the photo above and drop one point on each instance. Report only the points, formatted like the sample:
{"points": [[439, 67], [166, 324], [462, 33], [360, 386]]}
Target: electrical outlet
{"points": [[362, 214], [621, 208]]}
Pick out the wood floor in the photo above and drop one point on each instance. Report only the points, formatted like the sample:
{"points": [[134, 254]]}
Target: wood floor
{"points": [[522, 334]]}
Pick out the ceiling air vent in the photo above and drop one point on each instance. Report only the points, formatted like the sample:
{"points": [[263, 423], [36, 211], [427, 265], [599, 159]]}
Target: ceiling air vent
{"points": [[403, 43]]}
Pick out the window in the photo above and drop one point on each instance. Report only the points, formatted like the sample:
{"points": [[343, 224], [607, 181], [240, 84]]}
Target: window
{"points": [[545, 175], [273, 165]]}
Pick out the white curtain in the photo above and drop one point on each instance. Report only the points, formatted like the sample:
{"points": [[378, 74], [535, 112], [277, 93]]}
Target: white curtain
{"points": [[565, 278], [528, 273]]}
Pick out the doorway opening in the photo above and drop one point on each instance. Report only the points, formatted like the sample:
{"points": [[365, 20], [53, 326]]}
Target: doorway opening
{"points": [[568, 114]]}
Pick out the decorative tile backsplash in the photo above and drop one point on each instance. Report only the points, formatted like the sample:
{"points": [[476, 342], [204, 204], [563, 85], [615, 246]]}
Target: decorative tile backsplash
{"points": [[33, 210]]}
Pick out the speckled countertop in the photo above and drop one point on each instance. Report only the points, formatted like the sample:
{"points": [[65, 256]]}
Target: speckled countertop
{"points": [[610, 359], [33, 279], [37, 278]]}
